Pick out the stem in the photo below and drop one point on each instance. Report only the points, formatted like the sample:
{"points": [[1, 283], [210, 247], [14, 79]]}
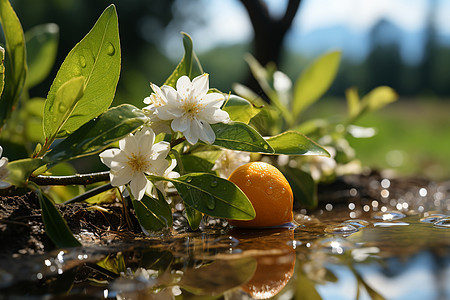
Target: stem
{"points": [[125, 207], [89, 194], [179, 162], [173, 143], [78, 179]]}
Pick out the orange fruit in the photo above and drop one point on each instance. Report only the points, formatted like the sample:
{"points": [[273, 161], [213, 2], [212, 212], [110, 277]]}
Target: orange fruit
{"points": [[268, 191]]}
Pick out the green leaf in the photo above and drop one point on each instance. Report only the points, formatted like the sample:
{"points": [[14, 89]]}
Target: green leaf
{"points": [[315, 80], [353, 102], [303, 187], [55, 226], [153, 214], [97, 134], [214, 196], [15, 63], [194, 217], [97, 58], [2, 69], [188, 63], [58, 112], [20, 170], [240, 136], [204, 280], [193, 163], [295, 143], [379, 97], [240, 109], [42, 47]]}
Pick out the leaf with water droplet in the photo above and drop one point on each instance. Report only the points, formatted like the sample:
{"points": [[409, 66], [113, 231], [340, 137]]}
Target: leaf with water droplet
{"points": [[65, 101], [101, 71], [228, 200]]}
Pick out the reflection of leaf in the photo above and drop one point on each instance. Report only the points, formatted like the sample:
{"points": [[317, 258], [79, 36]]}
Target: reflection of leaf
{"points": [[113, 263], [156, 260], [306, 289], [205, 280]]}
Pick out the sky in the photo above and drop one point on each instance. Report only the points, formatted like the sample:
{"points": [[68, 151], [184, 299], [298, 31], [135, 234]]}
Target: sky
{"points": [[228, 23]]}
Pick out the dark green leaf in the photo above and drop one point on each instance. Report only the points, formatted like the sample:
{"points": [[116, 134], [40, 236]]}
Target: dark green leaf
{"points": [[42, 47], [240, 136], [156, 259], [315, 80], [15, 63], [233, 273], [20, 170], [97, 58], [59, 111], [303, 187], [153, 214], [97, 134], [214, 196], [295, 143], [55, 226], [193, 163], [193, 216], [188, 65], [240, 109]]}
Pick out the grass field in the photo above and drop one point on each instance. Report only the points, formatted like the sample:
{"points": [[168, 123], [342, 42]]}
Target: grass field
{"points": [[413, 137]]}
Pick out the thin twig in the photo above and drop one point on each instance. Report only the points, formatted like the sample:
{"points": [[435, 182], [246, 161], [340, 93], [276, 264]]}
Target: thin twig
{"points": [[78, 179]]}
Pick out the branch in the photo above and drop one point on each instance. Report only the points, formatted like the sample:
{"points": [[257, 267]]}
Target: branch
{"points": [[89, 194], [78, 179]]}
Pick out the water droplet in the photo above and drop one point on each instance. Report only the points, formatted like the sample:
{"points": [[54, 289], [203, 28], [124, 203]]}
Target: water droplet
{"points": [[214, 183], [82, 61], [226, 241], [443, 223], [248, 183], [390, 224], [358, 223], [432, 219], [211, 203], [189, 179], [62, 108], [341, 229], [269, 191], [388, 215], [110, 50], [283, 191], [266, 146]]}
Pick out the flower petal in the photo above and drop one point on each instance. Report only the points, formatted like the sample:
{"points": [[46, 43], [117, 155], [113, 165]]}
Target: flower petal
{"points": [[184, 87], [200, 85], [215, 99], [160, 150], [129, 144], [138, 186], [108, 156], [207, 134], [181, 124], [214, 115], [191, 133], [145, 139], [121, 176]]}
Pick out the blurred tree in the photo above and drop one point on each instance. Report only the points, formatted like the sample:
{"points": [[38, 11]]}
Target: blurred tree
{"points": [[269, 32]]}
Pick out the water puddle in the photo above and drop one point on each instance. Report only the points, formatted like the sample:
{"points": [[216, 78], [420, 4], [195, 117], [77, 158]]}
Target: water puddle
{"points": [[346, 252]]}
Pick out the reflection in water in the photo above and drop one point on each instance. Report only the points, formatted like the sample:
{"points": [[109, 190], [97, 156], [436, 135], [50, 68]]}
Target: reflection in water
{"points": [[380, 255]]}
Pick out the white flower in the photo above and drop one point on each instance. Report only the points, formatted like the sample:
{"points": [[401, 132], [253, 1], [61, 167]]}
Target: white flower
{"points": [[157, 99], [191, 108], [3, 170], [161, 185], [229, 160], [136, 157]]}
